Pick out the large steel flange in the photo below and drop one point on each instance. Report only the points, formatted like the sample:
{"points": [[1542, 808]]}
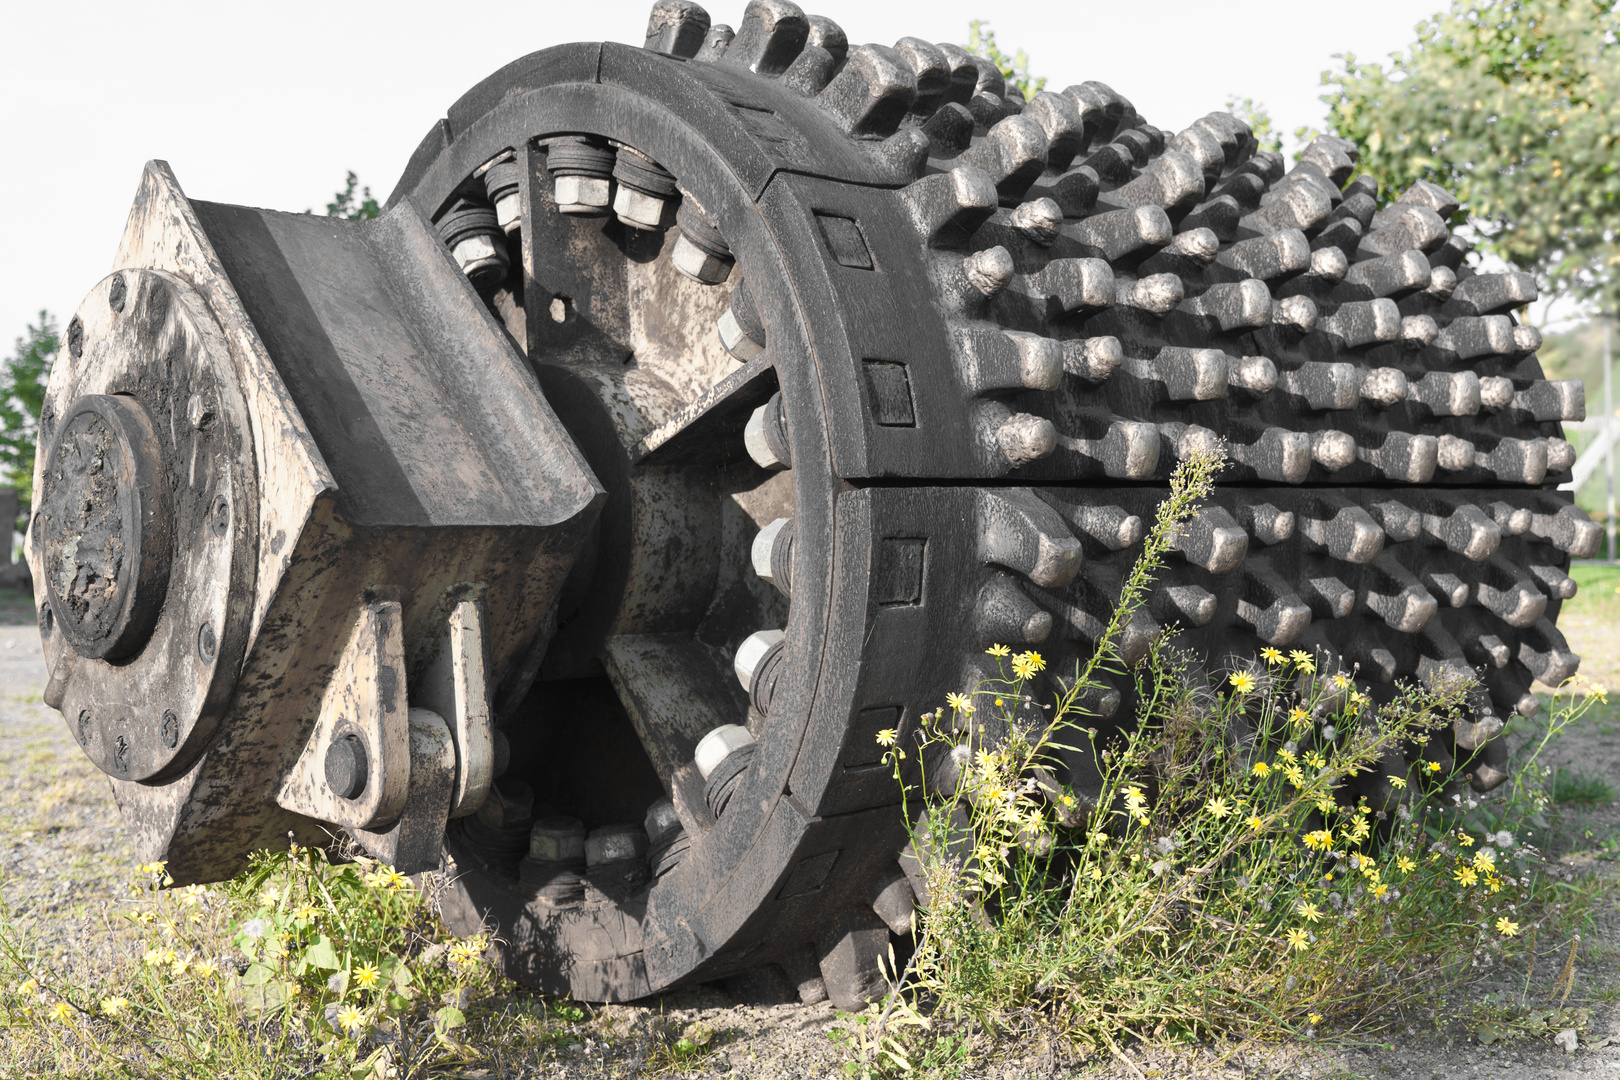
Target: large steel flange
{"points": [[143, 534]]}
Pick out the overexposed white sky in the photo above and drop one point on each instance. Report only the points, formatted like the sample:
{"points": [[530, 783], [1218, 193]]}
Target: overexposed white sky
{"points": [[269, 104]]}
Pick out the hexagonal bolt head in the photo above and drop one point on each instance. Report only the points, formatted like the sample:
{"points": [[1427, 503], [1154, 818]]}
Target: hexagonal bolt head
{"points": [[764, 544], [508, 213], [481, 259], [698, 264], [642, 211], [720, 743], [662, 821], [758, 447], [557, 839], [750, 653], [615, 843], [346, 766], [583, 195], [736, 341]]}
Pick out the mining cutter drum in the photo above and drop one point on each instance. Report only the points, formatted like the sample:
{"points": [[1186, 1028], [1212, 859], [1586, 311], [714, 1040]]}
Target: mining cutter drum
{"points": [[695, 412]]}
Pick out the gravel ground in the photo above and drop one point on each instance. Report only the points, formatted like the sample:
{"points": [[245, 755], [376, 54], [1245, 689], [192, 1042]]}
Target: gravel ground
{"points": [[65, 858]]}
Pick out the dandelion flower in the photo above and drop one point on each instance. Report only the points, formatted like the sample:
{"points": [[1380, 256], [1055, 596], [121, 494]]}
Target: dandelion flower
{"points": [[1298, 939], [1285, 753], [1464, 839], [1314, 1019], [366, 976], [1506, 927], [28, 988], [1295, 775], [61, 1011], [1243, 682], [1484, 860], [1261, 769], [1026, 664], [114, 1006], [962, 703], [1310, 912], [998, 650], [1136, 803], [1341, 681], [1298, 715], [1406, 865], [1303, 661], [1380, 889], [1271, 655], [1325, 805], [153, 957], [1319, 840], [396, 880], [1218, 807], [1433, 766], [1398, 782], [350, 1018], [204, 970], [1256, 822], [887, 737], [1466, 875]]}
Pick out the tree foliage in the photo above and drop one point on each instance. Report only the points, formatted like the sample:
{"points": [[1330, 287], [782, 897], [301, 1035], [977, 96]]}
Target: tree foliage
{"points": [[1258, 117], [22, 394], [1511, 105], [354, 202], [1014, 68]]}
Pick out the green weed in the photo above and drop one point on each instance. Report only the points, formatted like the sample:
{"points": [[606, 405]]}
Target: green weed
{"points": [[1570, 788]]}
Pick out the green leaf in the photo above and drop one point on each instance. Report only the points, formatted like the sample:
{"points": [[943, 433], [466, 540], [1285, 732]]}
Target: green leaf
{"points": [[449, 1017], [321, 954]]}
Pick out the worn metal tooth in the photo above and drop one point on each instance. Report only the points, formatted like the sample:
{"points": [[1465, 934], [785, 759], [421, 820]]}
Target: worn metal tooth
{"points": [[1075, 191], [1514, 520], [1185, 440], [1114, 527], [1384, 387], [990, 80], [1418, 332], [1553, 399], [1489, 649], [1300, 206], [1447, 393], [949, 131], [905, 153], [1454, 454], [1391, 592], [1195, 246], [1128, 450], [715, 44], [1093, 359], [1172, 181], [1468, 337], [1295, 313], [1467, 530], [1473, 734], [1403, 228], [1240, 305], [1446, 587], [810, 71], [1038, 220], [765, 436], [1442, 282], [932, 71], [1271, 606], [1451, 252], [1345, 531], [1111, 163], [1245, 188], [992, 360], [1432, 195], [1328, 266], [1329, 597], [947, 208], [1509, 593], [1544, 651], [1404, 456], [1156, 294], [1324, 386], [741, 331], [1013, 153], [1021, 438], [1526, 339], [1399, 521], [829, 36], [1560, 455], [1496, 393], [1063, 125], [1569, 530], [1102, 108], [1212, 540], [1392, 276], [1121, 233], [1510, 690], [772, 554], [1219, 214], [677, 28], [1361, 323], [1328, 156], [1333, 450], [1516, 461], [1203, 147], [1339, 234], [964, 73], [893, 900], [1004, 614], [1268, 258], [988, 271], [988, 110], [1189, 605], [1019, 532], [1266, 523], [1553, 581], [1255, 375], [1278, 455], [770, 37], [1064, 286], [1492, 294], [1186, 374], [872, 93]]}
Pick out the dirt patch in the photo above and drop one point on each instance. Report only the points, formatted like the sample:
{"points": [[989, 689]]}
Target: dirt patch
{"points": [[66, 860]]}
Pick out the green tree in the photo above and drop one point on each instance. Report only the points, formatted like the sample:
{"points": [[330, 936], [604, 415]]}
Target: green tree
{"points": [[22, 394], [1014, 68], [354, 202], [1512, 106], [1258, 118]]}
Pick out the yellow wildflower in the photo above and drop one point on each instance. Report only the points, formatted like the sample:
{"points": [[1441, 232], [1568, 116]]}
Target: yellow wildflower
{"points": [[1218, 807], [1341, 681], [1256, 822], [1484, 860], [887, 737], [1398, 782], [1303, 660], [1464, 839], [1406, 865], [1298, 715], [1325, 805], [1494, 881], [1310, 912], [1433, 766], [1319, 840], [1298, 939], [1315, 760], [1271, 655], [350, 1019], [1243, 682], [998, 650], [1261, 769], [1295, 775], [366, 976], [962, 703], [1380, 889], [1314, 1019], [1465, 875], [114, 1006], [1136, 803], [61, 1011], [1026, 664], [1506, 927], [1285, 753]]}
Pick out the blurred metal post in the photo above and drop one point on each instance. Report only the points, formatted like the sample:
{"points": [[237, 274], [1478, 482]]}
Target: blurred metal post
{"points": [[1608, 418]]}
